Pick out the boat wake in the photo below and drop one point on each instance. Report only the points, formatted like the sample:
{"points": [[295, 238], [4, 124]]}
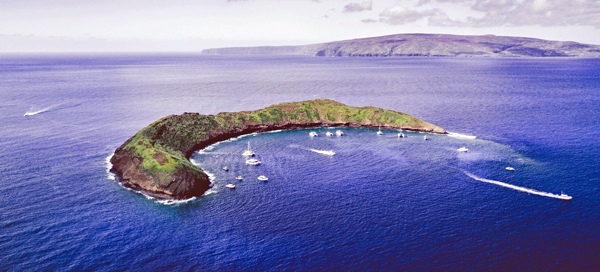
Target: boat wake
{"points": [[522, 189], [31, 112], [324, 152], [462, 136]]}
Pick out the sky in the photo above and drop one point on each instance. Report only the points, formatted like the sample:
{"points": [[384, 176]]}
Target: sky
{"points": [[193, 25]]}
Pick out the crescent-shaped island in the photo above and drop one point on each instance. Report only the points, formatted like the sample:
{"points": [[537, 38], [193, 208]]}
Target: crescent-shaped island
{"points": [[156, 162]]}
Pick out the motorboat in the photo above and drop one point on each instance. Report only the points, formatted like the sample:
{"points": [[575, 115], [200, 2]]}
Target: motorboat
{"points": [[239, 178], [263, 178], [379, 132], [339, 133], [330, 152], [225, 168], [232, 186], [329, 134], [463, 149], [565, 196], [509, 168], [313, 134], [248, 152], [253, 161]]}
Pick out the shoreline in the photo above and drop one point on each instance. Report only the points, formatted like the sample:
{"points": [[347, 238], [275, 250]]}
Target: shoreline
{"points": [[156, 159]]}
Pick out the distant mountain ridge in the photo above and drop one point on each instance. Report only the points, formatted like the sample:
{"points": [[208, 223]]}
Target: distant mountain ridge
{"points": [[429, 45]]}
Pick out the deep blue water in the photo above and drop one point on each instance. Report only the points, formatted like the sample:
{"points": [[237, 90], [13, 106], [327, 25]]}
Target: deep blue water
{"points": [[381, 203]]}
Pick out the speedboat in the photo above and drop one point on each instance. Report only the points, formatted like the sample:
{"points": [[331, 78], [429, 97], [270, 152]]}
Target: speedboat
{"points": [[565, 196], [238, 177], [330, 152], [463, 149], [509, 168], [263, 178], [379, 132], [339, 133], [253, 161], [232, 186], [225, 168], [248, 152], [329, 134], [313, 134]]}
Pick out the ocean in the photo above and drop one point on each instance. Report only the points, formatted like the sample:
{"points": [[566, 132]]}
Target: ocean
{"points": [[380, 203]]}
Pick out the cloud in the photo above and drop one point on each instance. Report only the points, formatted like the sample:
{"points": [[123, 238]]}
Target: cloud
{"points": [[496, 13], [356, 7], [399, 15]]}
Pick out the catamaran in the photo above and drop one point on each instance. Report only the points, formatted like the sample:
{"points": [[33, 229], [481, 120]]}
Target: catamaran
{"points": [[253, 161], [248, 151]]}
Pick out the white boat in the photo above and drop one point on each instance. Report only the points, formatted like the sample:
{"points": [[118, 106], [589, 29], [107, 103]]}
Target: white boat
{"points": [[263, 178], [230, 186], [248, 151], [463, 149], [425, 137], [253, 161], [339, 133], [379, 132], [509, 168], [565, 196], [238, 177], [313, 134], [329, 134], [225, 168], [401, 135]]}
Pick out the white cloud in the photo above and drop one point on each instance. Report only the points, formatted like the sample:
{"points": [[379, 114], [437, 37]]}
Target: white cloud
{"points": [[494, 13], [358, 7], [398, 15]]}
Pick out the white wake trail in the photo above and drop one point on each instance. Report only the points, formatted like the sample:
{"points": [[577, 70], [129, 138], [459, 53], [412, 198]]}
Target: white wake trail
{"points": [[462, 136], [29, 113], [522, 189], [325, 152]]}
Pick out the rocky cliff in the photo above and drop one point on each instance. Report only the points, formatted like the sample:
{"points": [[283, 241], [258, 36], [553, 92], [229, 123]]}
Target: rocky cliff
{"points": [[156, 159], [439, 45]]}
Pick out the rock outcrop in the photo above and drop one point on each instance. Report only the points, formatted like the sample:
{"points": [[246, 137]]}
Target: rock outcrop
{"points": [[428, 45], [156, 159]]}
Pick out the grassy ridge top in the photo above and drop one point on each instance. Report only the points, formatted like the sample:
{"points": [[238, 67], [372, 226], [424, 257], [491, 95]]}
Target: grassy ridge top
{"points": [[157, 156], [180, 133]]}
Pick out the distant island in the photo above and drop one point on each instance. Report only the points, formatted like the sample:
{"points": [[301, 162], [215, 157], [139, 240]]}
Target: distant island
{"points": [[156, 159], [426, 45]]}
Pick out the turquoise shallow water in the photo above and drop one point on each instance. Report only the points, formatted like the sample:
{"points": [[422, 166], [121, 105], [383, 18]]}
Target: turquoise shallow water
{"points": [[379, 203]]}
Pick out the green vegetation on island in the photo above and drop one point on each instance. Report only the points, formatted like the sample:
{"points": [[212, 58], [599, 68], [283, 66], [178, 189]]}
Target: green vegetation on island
{"points": [[156, 159]]}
